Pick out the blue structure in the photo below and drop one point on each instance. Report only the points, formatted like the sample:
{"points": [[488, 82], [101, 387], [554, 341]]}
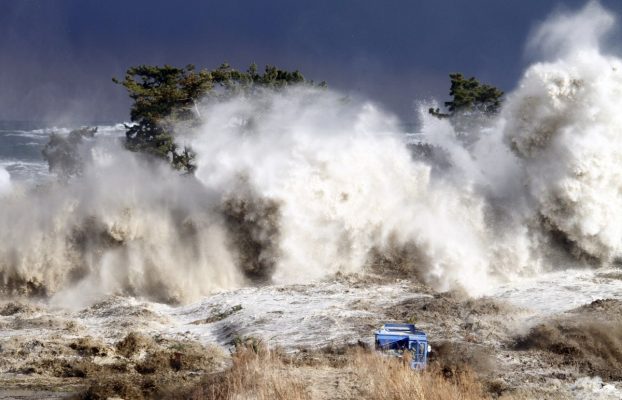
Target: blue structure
{"points": [[399, 338]]}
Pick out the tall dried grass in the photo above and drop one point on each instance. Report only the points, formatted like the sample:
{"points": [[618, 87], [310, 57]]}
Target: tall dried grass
{"points": [[388, 378], [257, 373], [260, 374]]}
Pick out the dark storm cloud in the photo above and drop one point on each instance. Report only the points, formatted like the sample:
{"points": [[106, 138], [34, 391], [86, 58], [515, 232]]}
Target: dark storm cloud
{"points": [[57, 57]]}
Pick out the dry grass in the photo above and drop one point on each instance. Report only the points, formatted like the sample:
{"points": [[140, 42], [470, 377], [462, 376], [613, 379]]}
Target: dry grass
{"points": [[189, 371], [388, 378], [260, 374], [257, 373]]}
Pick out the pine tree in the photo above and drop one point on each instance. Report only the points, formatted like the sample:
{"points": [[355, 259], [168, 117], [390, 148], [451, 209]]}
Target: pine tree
{"points": [[166, 96], [470, 96]]}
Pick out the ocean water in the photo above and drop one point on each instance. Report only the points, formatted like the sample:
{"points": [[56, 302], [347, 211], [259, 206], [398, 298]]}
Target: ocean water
{"points": [[21, 143], [168, 279]]}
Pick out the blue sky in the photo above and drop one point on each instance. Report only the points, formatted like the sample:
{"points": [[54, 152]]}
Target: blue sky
{"points": [[57, 57]]}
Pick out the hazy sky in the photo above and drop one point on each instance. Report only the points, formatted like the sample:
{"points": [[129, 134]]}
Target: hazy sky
{"points": [[57, 57]]}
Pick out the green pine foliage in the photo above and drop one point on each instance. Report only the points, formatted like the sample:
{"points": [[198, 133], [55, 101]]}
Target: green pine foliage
{"points": [[468, 96], [166, 96]]}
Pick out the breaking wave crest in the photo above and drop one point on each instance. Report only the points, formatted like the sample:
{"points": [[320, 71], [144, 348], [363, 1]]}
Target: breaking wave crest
{"points": [[564, 125], [303, 183]]}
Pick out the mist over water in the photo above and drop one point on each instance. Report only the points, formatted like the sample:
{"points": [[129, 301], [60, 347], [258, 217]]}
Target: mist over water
{"points": [[5, 181], [299, 184]]}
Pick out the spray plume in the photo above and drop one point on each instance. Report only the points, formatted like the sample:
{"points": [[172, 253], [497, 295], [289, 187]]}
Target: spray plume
{"points": [[299, 184], [563, 122]]}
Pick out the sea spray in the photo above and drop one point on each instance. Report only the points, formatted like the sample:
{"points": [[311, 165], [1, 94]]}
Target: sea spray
{"points": [[123, 226], [291, 186], [5, 181], [297, 184], [564, 123], [346, 186]]}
